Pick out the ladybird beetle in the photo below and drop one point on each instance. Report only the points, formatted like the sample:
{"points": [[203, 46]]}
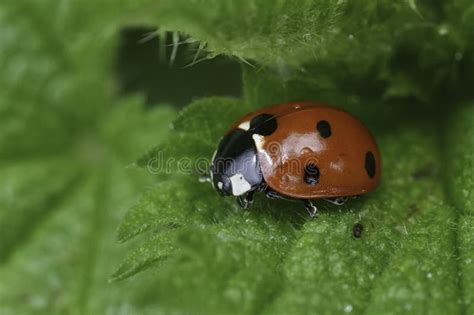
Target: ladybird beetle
{"points": [[297, 151]]}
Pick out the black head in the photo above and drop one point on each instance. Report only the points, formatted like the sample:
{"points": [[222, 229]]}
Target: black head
{"points": [[235, 169]]}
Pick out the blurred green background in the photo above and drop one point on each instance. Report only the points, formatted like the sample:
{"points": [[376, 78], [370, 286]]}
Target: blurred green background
{"points": [[92, 90]]}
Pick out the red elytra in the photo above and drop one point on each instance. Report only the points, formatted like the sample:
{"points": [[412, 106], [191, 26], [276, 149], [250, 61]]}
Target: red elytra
{"points": [[340, 150]]}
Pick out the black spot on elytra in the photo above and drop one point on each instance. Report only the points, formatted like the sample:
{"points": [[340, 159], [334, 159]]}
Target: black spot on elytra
{"points": [[370, 164], [311, 174], [357, 230], [263, 124], [324, 128]]}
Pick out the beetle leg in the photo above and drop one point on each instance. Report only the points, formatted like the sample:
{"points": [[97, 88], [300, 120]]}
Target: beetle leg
{"points": [[271, 194], [312, 210], [339, 201], [246, 201], [249, 198], [242, 202]]}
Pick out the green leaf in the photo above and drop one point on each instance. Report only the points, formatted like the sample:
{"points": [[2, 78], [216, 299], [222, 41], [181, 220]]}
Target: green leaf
{"points": [[65, 144], [263, 30], [235, 253], [361, 36], [459, 141], [23, 204], [329, 271], [466, 269], [407, 253], [414, 255], [193, 137], [158, 208]]}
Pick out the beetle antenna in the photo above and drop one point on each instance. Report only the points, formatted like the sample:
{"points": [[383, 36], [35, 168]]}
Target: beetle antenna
{"points": [[205, 178]]}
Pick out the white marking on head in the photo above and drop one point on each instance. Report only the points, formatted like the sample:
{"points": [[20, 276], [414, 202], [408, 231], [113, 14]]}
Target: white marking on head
{"points": [[239, 185], [245, 125], [219, 185]]}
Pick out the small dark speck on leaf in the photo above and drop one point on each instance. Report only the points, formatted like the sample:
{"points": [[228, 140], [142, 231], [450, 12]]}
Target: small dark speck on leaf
{"points": [[357, 230]]}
